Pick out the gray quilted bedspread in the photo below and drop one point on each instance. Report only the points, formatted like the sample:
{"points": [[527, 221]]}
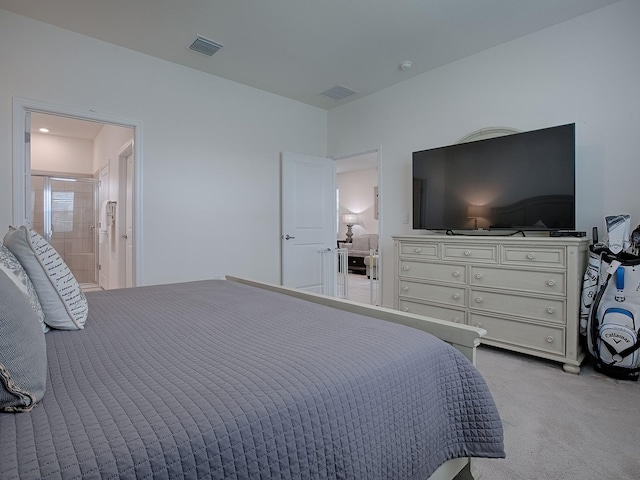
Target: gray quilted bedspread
{"points": [[214, 379]]}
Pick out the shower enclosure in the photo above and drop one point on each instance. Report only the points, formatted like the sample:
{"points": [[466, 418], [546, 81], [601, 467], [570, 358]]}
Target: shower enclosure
{"points": [[63, 211]]}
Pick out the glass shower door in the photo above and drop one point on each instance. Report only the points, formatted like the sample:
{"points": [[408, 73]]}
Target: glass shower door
{"points": [[67, 220]]}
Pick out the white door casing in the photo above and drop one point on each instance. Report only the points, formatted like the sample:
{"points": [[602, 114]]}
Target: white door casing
{"points": [[308, 223], [22, 108], [22, 202], [126, 194], [128, 253], [103, 238]]}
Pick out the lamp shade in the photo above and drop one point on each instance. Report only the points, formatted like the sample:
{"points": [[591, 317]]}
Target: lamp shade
{"points": [[350, 218], [475, 211]]}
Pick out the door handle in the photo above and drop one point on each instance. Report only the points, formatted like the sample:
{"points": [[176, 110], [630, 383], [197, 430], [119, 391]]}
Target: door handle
{"points": [[288, 237]]}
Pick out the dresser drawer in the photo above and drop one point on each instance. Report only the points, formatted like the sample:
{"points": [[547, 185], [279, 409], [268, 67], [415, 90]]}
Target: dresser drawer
{"points": [[434, 293], [548, 257], [471, 253], [552, 282], [441, 313], [544, 338], [425, 250], [536, 308], [442, 272]]}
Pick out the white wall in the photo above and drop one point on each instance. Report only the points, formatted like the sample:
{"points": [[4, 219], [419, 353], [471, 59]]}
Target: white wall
{"points": [[357, 196], [586, 71], [53, 153], [108, 143], [211, 147]]}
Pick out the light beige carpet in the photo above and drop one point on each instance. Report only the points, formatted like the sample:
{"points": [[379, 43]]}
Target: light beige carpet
{"points": [[559, 425]]}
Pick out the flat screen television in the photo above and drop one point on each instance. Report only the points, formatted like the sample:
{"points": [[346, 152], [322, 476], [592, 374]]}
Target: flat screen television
{"points": [[523, 181]]}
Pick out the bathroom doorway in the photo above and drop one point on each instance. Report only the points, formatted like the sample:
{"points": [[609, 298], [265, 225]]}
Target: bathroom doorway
{"points": [[50, 140]]}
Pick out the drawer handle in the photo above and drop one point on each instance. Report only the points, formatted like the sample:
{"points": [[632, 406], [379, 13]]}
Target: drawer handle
{"points": [[478, 300], [550, 310], [467, 253], [405, 309], [531, 256], [405, 289], [551, 283], [418, 250], [455, 319], [479, 276], [456, 296], [405, 269], [549, 339], [456, 274]]}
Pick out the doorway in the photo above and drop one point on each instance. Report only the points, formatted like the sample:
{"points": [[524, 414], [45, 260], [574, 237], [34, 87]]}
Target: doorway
{"points": [[55, 155], [358, 181]]}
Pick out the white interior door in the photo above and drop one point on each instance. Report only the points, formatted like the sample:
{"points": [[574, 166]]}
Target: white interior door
{"points": [[128, 251], [308, 218]]}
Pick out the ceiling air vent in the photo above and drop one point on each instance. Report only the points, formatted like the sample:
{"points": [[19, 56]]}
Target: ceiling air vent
{"points": [[338, 92], [205, 46]]}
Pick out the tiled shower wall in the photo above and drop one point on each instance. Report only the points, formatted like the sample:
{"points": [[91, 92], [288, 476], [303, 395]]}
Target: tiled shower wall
{"points": [[73, 212]]}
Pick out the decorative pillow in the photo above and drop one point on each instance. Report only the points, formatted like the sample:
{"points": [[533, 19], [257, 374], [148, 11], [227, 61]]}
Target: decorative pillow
{"points": [[64, 304], [23, 351], [10, 265]]}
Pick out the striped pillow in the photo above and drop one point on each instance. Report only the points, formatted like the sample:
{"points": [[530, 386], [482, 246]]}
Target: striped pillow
{"points": [[23, 351], [10, 265], [64, 304]]}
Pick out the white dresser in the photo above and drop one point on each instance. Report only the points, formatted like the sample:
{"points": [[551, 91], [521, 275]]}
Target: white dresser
{"points": [[525, 291]]}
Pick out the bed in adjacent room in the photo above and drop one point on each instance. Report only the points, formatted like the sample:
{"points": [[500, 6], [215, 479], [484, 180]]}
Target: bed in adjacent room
{"points": [[234, 379]]}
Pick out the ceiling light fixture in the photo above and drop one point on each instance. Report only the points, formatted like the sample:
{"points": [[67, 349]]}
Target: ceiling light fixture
{"points": [[44, 130], [406, 65]]}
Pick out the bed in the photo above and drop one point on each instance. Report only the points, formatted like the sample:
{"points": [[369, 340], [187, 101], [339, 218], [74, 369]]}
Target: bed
{"points": [[239, 379]]}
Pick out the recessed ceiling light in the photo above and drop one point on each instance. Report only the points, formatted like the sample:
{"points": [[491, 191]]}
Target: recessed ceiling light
{"points": [[406, 65], [44, 130]]}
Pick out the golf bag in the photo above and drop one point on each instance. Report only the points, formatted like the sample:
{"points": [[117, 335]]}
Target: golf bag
{"points": [[610, 312]]}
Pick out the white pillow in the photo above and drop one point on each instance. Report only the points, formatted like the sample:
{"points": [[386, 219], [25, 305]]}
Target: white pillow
{"points": [[64, 304], [10, 265]]}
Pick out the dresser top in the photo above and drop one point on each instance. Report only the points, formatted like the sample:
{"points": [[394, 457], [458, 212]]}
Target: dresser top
{"points": [[483, 238]]}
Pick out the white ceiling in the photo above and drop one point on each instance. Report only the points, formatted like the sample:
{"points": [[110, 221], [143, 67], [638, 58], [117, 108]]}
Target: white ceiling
{"points": [[300, 48], [357, 162], [65, 126]]}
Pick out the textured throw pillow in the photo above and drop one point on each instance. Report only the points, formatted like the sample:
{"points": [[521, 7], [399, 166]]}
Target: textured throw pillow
{"points": [[10, 265], [23, 351], [64, 304]]}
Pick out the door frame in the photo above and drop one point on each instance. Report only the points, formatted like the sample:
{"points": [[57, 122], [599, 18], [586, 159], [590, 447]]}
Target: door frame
{"points": [[124, 152], [102, 247], [368, 151], [22, 165]]}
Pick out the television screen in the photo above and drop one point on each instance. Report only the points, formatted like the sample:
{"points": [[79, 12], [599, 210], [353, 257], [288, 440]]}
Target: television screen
{"points": [[523, 181]]}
